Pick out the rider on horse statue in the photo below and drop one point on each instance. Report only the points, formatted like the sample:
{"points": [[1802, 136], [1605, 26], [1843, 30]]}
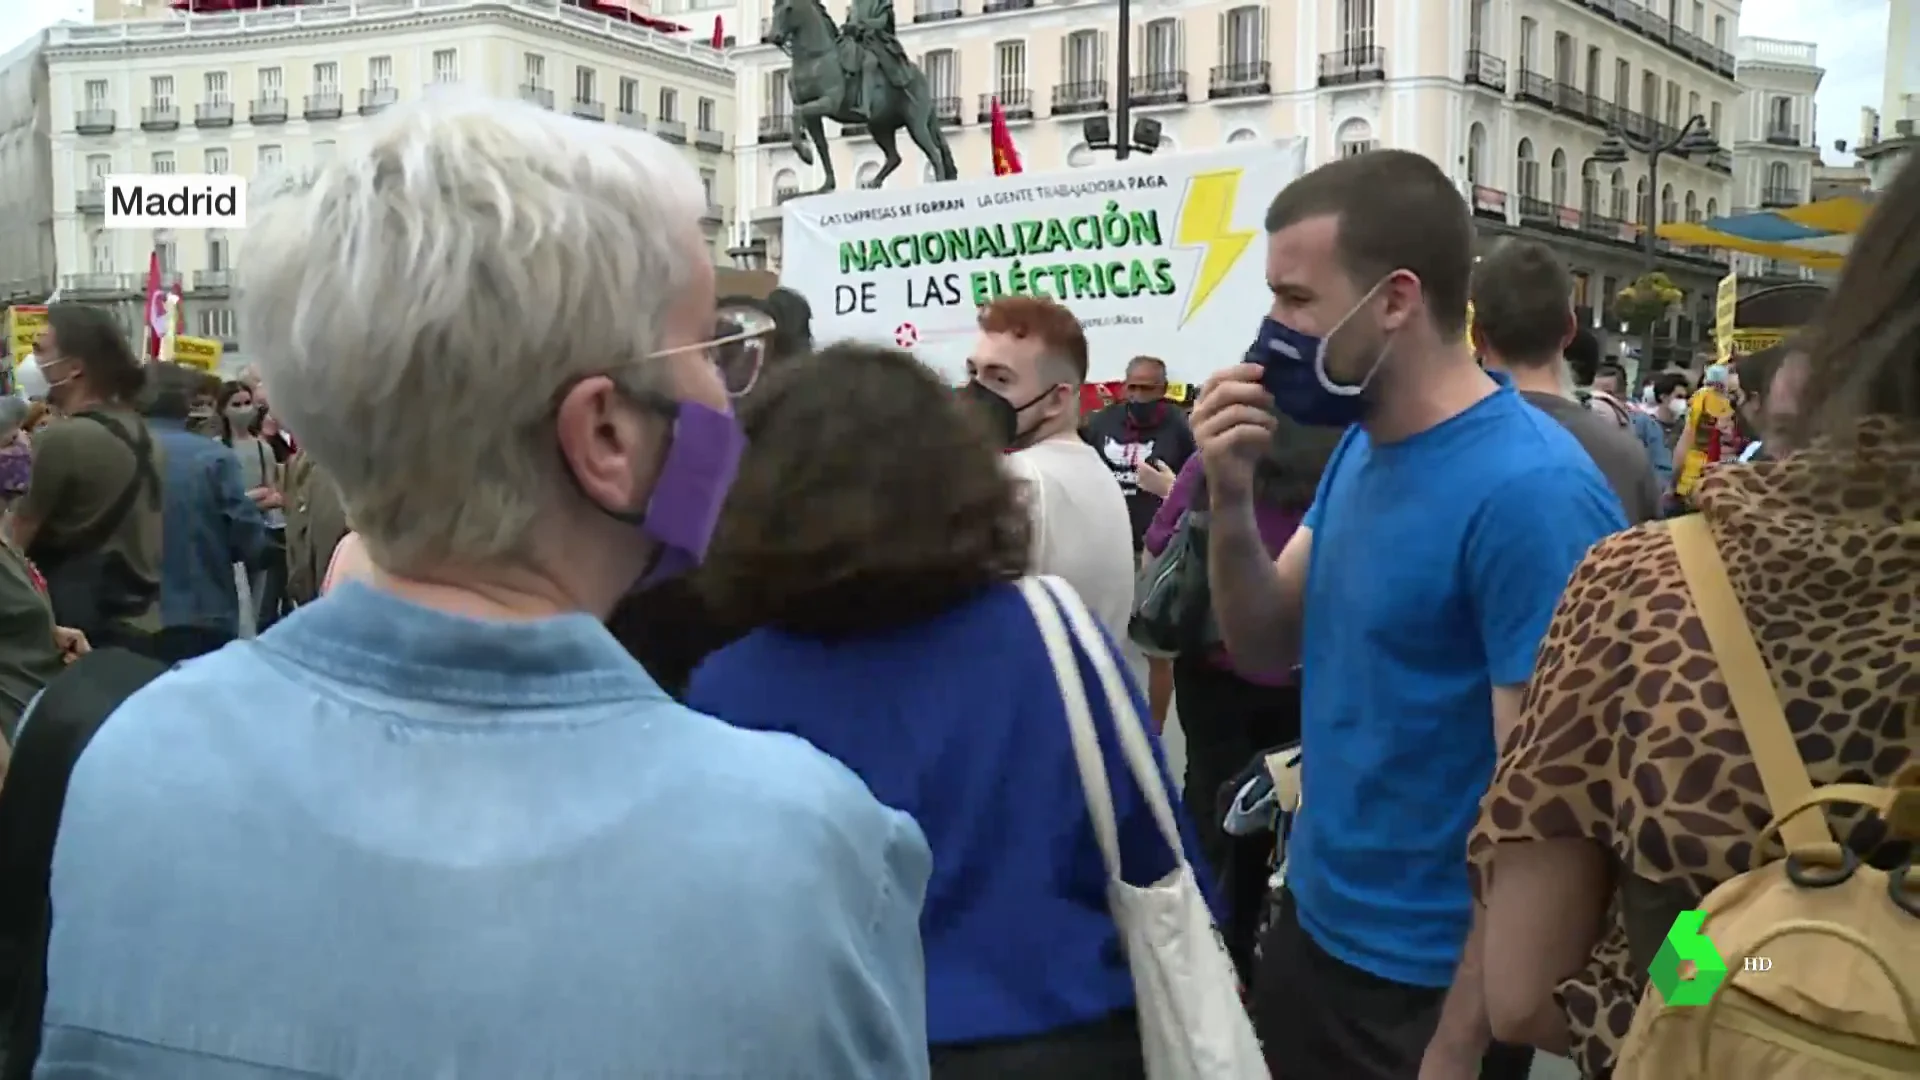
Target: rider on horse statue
{"points": [[871, 52]]}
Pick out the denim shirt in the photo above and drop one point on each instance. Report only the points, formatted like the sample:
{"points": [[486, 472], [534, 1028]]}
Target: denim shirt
{"points": [[384, 842], [208, 525]]}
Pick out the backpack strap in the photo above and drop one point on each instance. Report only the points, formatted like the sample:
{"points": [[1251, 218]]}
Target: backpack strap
{"points": [[1756, 705], [50, 741], [144, 477]]}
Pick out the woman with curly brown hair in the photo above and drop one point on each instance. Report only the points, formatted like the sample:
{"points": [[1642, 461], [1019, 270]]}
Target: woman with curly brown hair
{"points": [[873, 539]]}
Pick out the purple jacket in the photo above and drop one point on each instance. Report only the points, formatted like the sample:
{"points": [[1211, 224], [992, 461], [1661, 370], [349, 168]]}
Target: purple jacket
{"points": [[1276, 527]]}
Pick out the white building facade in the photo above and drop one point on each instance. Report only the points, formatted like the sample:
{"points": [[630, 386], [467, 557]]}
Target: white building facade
{"points": [[285, 88], [1776, 151], [1510, 96], [27, 267]]}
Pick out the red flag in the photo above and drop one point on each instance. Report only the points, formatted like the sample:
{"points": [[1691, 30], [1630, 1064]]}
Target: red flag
{"points": [[719, 34], [1006, 158], [156, 307]]}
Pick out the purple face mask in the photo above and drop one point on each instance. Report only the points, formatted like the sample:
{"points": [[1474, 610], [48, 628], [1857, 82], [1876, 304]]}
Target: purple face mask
{"points": [[680, 516]]}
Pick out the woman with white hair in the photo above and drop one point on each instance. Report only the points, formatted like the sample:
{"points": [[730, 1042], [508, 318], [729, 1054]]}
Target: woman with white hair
{"points": [[439, 823]]}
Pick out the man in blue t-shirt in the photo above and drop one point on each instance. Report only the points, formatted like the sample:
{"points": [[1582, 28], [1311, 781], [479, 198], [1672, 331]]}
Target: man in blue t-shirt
{"points": [[1414, 596]]}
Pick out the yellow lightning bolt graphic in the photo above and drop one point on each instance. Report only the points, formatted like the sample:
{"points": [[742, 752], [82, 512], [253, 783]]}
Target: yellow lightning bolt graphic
{"points": [[1206, 222]]}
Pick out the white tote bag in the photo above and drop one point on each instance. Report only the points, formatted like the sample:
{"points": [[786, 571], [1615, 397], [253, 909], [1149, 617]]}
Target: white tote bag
{"points": [[1192, 1024]]}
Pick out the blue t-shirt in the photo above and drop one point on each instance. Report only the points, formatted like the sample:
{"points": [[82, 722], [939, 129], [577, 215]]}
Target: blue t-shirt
{"points": [[1436, 565], [957, 721]]}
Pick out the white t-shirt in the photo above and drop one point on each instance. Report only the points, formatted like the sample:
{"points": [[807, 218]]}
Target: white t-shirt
{"points": [[1081, 531]]}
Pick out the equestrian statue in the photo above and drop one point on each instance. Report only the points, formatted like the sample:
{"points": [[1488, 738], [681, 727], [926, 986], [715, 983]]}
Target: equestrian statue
{"points": [[856, 73]]}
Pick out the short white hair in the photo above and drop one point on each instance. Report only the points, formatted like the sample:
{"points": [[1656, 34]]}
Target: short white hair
{"points": [[417, 305]]}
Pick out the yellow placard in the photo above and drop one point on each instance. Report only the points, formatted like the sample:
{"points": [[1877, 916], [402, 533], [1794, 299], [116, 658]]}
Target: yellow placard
{"points": [[1726, 300], [197, 352], [1750, 341], [24, 323]]}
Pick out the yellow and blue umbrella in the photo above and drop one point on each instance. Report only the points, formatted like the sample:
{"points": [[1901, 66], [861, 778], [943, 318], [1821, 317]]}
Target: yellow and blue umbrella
{"points": [[1816, 234]]}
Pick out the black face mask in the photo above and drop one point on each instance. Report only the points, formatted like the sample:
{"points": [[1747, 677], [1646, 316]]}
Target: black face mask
{"points": [[1002, 416], [1143, 414]]}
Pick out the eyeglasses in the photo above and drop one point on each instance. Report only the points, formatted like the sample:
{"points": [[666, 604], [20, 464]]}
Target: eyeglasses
{"points": [[737, 350]]}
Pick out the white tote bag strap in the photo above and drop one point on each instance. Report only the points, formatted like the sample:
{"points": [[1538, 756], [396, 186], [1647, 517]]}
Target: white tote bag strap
{"points": [[1086, 738], [1136, 748]]}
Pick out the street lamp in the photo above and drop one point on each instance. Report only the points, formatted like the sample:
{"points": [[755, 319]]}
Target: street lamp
{"points": [[1100, 136], [1694, 137]]}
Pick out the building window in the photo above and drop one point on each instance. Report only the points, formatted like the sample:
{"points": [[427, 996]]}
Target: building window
{"points": [[1527, 171], [1693, 104], [1622, 83], [630, 96], [1563, 59], [583, 85], [1673, 104], [1355, 137], [1084, 57], [1719, 31], [1713, 119], [216, 160], [708, 181], [1779, 177], [1529, 44], [267, 157], [1557, 179], [1160, 48], [1699, 24], [161, 91], [99, 167], [536, 68], [669, 104], [1616, 203], [777, 103], [704, 115], [95, 94], [100, 251], [1477, 154], [272, 85], [1693, 207], [380, 73], [163, 247], [942, 68], [1243, 37], [326, 78], [215, 322], [216, 250], [163, 162], [1010, 68], [216, 87], [1356, 25]]}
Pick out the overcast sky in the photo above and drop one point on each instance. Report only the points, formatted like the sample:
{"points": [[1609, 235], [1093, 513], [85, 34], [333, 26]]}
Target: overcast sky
{"points": [[1851, 34]]}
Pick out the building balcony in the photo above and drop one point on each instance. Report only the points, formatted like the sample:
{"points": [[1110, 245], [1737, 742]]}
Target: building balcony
{"points": [[325, 105], [1772, 198], [927, 11], [1252, 78], [1780, 134], [674, 131], [1721, 161], [538, 95], [212, 280], [1485, 69], [781, 195], [588, 110], [1605, 114], [1489, 203], [268, 110], [1015, 104], [630, 118], [709, 139], [992, 6], [946, 111], [1352, 67], [91, 201], [97, 282], [714, 214], [213, 114], [160, 118], [1077, 98], [1569, 100], [1534, 89], [775, 127], [375, 98], [1536, 211], [94, 121], [1157, 88], [1637, 125]]}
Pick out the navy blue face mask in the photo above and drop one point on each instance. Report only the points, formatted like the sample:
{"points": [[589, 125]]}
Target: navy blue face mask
{"points": [[1295, 368]]}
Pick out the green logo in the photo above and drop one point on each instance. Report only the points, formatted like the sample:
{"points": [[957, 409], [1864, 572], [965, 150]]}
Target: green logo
{"points": [[1685, 942]]}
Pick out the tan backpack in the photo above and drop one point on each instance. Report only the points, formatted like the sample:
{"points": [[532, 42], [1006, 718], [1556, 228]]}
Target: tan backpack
{"points": [[1839, 996]]}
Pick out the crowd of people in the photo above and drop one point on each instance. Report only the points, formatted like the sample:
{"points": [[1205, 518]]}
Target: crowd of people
{"points": [[612, 683]]}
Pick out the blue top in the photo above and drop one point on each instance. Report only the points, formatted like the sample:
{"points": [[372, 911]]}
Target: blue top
{"points": [[1436, 565], [1655, 441], [208, 524], [382, 841], [958, 721]]}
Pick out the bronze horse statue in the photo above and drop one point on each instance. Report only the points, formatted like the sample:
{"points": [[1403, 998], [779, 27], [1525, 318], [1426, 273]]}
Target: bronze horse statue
{"points": [[858, 75]]}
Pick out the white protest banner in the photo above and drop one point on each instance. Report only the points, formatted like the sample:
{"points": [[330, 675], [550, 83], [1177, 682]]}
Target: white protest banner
{"points": [[1156, 255]]}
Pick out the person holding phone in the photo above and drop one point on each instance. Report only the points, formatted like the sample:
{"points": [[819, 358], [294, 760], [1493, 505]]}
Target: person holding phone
{"points": [[1413, 595]]}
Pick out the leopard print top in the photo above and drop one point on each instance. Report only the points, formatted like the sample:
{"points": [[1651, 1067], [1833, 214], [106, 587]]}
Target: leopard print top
{"points": [[1627, 737]]}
